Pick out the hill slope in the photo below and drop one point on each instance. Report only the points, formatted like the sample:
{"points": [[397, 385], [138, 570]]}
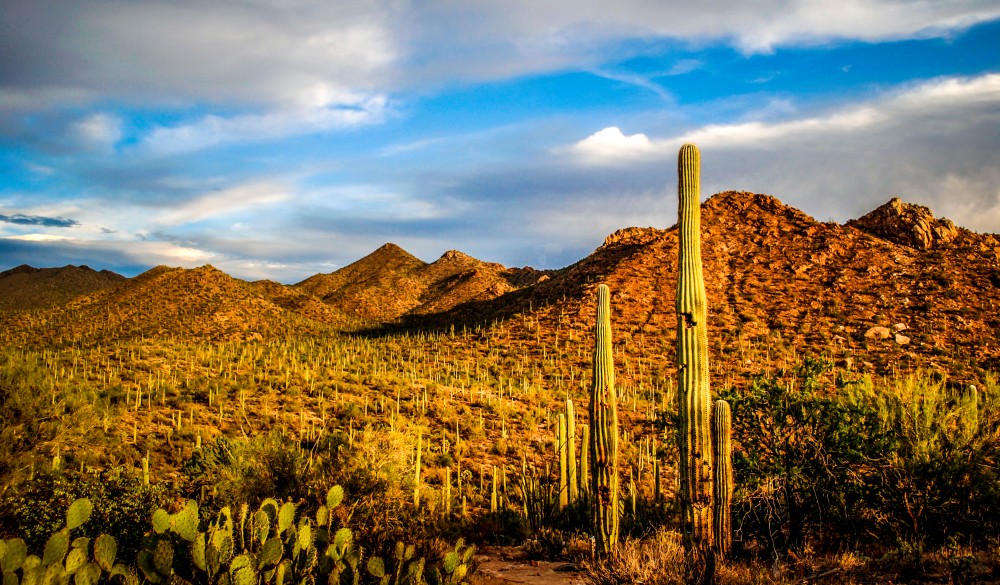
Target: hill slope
{"points": [[201, 303], [25, 287]]}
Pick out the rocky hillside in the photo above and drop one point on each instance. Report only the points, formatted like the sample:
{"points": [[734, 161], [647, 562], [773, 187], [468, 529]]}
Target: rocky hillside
{"points": [[391, 283], [892, 290], [25, 287], [202, 303]]}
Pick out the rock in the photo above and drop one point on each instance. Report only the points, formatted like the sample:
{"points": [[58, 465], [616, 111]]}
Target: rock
{"points": [[907, 224], [878, 332], [902, 339], [900, 327], [632, 236]]}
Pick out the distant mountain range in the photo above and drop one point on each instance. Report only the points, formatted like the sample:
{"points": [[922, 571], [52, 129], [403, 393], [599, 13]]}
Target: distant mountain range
{"points": [[896, 288], [25, 287]]}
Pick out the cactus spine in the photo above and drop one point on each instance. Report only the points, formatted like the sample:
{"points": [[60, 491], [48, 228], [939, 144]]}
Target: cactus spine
{"points": [[692, 361], [722, 430], [604, 431]]}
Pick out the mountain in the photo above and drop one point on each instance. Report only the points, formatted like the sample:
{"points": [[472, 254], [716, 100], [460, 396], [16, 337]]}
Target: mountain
{"points": [[391, 283], [894, 289], [869, 294], [24, 287], [200, 303]]}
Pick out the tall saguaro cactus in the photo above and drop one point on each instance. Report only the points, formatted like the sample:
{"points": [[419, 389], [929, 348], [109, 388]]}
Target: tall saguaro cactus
{"points": [[604, 431], [692, 361], [722, 429]]}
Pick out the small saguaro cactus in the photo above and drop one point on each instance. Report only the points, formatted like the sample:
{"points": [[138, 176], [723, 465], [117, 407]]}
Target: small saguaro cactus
{"points": [[692, 360], [604, 431], [562, 452], [574, 489], [569, 489], [584, 480], [722, 431]]}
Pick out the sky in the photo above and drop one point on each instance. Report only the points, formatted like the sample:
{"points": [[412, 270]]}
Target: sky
{"points": [[282, 138]]}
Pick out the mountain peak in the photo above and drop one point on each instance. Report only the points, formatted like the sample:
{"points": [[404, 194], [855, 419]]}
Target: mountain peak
{"points": [[22, 269], [907, 224]]}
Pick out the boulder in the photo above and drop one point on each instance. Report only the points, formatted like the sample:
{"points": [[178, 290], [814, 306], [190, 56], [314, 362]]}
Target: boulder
{"points": [[878, 332]]}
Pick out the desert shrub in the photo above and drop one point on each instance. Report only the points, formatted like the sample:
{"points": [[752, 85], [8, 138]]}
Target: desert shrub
{"points": [[801, 460], [25, 406], [941, 481], [655, 560], [251, 470], [822, 460], [123, 505], [375, 471]]}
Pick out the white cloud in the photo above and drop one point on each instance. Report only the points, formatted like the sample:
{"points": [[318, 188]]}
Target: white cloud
{"points": [[98, 131], [38, 238], [611, 146]]}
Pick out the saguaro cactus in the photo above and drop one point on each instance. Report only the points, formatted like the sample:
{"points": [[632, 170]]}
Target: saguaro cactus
{"points": [[722, 430], [574, 488], [604, 431], [566, 450], [562, 451], [584, 481], [692, 361]]}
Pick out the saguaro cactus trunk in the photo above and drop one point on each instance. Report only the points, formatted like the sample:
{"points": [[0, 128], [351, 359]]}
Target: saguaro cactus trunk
{"points": [[604, 431], [692, 362], [722, 429]]}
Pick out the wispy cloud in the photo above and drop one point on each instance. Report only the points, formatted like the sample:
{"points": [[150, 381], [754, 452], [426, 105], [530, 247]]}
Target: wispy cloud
{"points": [[222, 203], [214, 130]]}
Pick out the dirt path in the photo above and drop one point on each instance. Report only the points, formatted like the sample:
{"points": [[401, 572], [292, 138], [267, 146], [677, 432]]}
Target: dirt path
{"points": [[503, 565]]}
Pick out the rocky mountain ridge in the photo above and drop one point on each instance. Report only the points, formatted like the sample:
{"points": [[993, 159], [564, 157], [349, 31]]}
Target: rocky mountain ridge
{"points": [[391, 283]]}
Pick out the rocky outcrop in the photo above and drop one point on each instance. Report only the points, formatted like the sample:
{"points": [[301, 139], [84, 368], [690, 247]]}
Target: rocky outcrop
{"points": [[907, 224], [632, 236]]}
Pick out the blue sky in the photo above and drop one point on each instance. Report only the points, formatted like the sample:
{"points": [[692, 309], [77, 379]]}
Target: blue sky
{"points": [[279, 139]]}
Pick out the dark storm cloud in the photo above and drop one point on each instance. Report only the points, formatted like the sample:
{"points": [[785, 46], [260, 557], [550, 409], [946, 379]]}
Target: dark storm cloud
{"points": [[39, 220]]}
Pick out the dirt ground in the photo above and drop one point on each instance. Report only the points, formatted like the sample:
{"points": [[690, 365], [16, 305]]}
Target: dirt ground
{"points": [[505, 565]]}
